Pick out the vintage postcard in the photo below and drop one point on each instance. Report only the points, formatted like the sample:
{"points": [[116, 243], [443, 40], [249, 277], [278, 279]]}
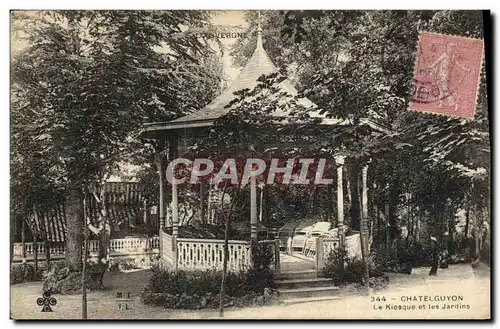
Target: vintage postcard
{"points": [[273, 164]]}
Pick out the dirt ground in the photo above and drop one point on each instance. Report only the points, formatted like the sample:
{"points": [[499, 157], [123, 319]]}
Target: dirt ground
{"points": [[466, 294]]}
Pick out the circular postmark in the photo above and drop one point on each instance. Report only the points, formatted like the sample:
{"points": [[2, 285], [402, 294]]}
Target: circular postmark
{"points": [[427, 91]]}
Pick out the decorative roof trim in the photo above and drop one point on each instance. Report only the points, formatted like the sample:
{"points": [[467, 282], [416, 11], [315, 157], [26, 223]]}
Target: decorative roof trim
{"points": [[166, 126]]}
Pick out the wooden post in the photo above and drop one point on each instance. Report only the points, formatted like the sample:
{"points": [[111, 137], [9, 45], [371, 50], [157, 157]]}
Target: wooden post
{"points": [[339, 160], [277, 255], [253, 208], [364, 224], [260, 203], [145, 212], [161, 207], [175, 215], [202, 201], [329, 206], [175, 210], [209, 204], [320, 257], [173, 153], [364, 201]]}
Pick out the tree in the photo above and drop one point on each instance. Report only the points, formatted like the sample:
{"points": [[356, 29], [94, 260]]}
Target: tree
{"points": [[88, 79], [362, 69]]}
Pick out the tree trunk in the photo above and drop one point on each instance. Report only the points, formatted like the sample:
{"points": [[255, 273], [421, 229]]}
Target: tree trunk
{"points": [[84, 265], [104, 244], [13, 235], [376, 233], [355, 204], [363, 234], [421, 211], [347, 187], [84, 274], [392, 214], [105, 232], [23, 240], [436, 245], [314, 202], [224, 266], [35, 250], [266, 219], [387, 228], [467, 221], [451, 228], [47, 251], [409, 233], [226, 248], [329, 204], [75, 220], [443, 231]]}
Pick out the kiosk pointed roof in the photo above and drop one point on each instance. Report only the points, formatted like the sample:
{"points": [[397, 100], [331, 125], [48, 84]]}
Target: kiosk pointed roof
{"points": [[259, 64]]}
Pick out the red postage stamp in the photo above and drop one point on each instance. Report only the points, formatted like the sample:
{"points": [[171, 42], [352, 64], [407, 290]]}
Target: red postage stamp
{"points": [[446, 75]]}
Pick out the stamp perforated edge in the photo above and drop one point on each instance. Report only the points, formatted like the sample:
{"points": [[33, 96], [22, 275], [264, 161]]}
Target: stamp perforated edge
{"points": [[481, 65]]}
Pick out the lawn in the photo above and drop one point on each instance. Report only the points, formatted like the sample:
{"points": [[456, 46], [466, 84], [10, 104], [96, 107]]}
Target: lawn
{"points": [[458, 279]]}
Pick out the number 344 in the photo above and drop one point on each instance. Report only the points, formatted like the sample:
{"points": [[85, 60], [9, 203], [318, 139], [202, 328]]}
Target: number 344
{"points": [[377, 299]]}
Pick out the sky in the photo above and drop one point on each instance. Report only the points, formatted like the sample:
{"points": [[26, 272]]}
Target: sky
{"points": [[230, 18], [233, 18]]}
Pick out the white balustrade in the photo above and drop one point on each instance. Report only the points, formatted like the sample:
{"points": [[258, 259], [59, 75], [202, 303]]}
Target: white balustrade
{"points": [[57, 248], [117, 247], [189, 253], [209, 254], [154, 243]]}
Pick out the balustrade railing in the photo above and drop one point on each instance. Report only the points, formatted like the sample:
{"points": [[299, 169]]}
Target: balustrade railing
{"points": [[209, 254], [203, 254], [323, 247], [179, 253], [117, 248]]}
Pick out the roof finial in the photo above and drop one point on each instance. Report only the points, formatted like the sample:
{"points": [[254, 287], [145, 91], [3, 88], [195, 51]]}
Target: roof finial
{"points": [[259, 32]]}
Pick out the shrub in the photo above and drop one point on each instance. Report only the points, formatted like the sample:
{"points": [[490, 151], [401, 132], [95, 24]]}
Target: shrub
{"points": [[201, 289], [354, 270], [193, 282], [343, 269], [420, 254], [260, 275], [24, 273], [401, 257], [61, 278]]}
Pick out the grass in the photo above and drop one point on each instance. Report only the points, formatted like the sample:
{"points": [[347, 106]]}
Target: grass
{"points": [[458, 279]]}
